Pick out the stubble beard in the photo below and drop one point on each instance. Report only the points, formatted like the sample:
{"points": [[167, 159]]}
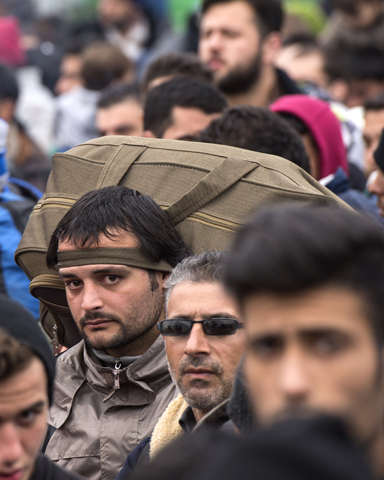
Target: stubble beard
{"points": [[136, 323], [199, 394], [241, 79]]}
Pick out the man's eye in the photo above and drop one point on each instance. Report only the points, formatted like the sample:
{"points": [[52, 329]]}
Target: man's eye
{"points": [[111, 279], [73, 284], [27, 418], [266, 347], [328, 344]]}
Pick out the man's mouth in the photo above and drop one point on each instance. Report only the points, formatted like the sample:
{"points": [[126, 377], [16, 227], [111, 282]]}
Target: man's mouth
{"points": [[192, 372], [99, 323], [215, 64], [15, 475]]}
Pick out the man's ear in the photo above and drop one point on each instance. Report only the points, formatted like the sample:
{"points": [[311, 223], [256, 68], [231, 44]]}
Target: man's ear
{"points": [[270, 48], [148, 134]]}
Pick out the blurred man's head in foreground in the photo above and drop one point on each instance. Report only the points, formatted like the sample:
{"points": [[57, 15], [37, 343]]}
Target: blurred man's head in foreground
{"points": [[310, 285]]}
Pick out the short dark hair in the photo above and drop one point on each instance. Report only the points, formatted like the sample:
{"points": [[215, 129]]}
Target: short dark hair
{"points": [[293, 249], [348, 6], [269, 13], [176, 65], [259, 130], [14, 356], [355, 63], [103, 63], [375, 103], [179, 92], [8, 83], [117, 94], [119, 208]]}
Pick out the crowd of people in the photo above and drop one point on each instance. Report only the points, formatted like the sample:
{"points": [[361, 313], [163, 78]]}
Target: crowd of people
{"points": [[264, 360]]}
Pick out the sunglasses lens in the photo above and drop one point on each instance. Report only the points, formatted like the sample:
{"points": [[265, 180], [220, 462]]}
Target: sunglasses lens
{"points": [[174, 328], [220, 326]]}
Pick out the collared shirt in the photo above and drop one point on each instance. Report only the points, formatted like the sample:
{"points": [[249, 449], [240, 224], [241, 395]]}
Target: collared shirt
{"points": [[188, 421]]}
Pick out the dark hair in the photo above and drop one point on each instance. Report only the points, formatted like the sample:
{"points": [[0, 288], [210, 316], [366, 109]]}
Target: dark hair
{"points": [[296, 248], [117, 94], [269, 13], [295, 122], [8, 84], [259, 130], [307, 40], [348, 6], [375, 103], [103, 63], [119, 208], [355, 63], [14, 356], [179, 92], [176, 65]]}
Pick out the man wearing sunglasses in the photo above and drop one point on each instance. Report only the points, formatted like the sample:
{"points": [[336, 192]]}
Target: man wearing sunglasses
{"points": [[204, 341]]}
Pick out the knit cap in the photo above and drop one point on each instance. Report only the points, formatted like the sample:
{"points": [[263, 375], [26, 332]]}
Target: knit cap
{"points": [[22, 326]]}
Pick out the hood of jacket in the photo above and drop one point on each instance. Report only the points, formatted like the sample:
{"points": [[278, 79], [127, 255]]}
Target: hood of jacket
{"points": [[324, 127]]}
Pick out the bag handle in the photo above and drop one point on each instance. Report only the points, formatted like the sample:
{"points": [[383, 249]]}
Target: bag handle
{"points": [[118, 165], [223, 176]]}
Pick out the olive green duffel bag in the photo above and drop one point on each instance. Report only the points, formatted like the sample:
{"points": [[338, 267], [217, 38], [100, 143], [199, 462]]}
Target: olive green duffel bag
{"points": [[207, 191]]}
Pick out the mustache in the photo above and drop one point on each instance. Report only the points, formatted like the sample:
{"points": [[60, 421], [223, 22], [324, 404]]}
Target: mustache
{"points": [[200, 362], [96, 316]]}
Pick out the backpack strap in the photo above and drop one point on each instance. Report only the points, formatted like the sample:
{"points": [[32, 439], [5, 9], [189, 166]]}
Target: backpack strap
{"points": [[118, 165], [224, 175]]}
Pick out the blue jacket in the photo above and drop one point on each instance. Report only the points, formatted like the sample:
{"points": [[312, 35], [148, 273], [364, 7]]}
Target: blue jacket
{"points": [[14, 214]]}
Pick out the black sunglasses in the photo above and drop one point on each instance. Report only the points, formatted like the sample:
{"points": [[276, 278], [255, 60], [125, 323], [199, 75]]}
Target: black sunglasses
{"points": [[176, 327]]}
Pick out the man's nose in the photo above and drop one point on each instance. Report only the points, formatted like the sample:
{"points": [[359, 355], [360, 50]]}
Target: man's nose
{"points": [[374, 184], [11, 448], [91, 298], [294, 381], [214, 42], [197, 342]]}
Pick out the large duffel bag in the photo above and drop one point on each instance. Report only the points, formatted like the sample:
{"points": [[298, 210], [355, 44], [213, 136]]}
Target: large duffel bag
{"points": [[207, 191]]}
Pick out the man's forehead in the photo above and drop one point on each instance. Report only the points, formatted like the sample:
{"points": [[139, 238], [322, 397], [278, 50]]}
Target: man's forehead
{"points": [[24, 389], [117, 238]]}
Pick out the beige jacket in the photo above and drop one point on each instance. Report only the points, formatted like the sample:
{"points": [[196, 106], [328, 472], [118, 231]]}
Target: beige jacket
{"points": [[97, 426]]}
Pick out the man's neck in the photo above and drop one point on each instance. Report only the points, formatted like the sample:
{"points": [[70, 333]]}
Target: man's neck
{"points": [[262, 93], [137, 347]]}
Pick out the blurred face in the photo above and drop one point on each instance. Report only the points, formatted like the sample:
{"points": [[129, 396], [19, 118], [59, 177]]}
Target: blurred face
{"points": [[203, 366], [188, 122], [70, 74], [365, 15], [303, 67], [116, 13], [376, 186], [230, 44], [374, 124], [313, 352], [23, 421], [125, 118], [360, 90], [115, 307]]}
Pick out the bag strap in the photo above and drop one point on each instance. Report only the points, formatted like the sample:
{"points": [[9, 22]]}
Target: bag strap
{"points": [[224, 175], [118, 165]]}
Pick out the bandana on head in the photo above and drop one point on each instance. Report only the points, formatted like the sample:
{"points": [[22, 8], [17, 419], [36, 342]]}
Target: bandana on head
{"points": [[131, 257]]}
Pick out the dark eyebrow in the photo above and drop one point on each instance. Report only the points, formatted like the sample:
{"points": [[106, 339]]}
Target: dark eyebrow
{"points": [[112, 269], [35, 406]]}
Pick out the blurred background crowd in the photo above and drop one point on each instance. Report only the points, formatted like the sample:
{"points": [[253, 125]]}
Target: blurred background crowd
{"points": [[305, 82]]}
